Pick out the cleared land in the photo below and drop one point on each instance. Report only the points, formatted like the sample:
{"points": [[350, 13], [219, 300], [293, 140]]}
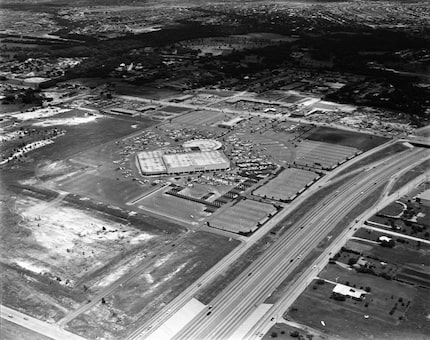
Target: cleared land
{"points": [[361, 141], [244, 217], [323, 155], [55, 255], [141, 297], [287, 184]]}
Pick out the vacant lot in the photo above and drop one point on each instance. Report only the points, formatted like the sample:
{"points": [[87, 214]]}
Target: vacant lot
{"points": [[55, 255], [345, 319], [287, 184], [146, 294], [81, 137], [319, 154], [361, 141], [106, 189], [245, 216]]}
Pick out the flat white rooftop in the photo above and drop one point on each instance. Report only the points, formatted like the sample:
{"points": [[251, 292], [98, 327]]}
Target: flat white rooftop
{"points": [[194, 159], [151, 162]]}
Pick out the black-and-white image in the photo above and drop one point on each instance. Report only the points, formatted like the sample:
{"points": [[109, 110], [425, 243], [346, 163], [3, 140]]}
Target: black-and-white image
{"points": [[214, 170]]}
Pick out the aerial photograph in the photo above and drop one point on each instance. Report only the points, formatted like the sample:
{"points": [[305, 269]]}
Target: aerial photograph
{"points": [[214, 169]]}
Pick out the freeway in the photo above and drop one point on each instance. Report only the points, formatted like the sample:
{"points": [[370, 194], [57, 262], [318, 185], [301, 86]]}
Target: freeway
{"points": [[300, 283], [146, 329], [229, 309]]}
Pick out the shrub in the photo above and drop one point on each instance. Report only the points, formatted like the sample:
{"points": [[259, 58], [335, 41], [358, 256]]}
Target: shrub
{"points": [[295, 334]]}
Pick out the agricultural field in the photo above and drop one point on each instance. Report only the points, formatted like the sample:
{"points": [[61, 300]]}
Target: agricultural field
{"points": [[243, 217], [287, 184], [147, 293], [361, 141], [56, 255], [323, 155]]}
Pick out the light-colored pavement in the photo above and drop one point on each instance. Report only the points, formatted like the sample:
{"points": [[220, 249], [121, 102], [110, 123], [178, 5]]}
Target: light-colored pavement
{"points": [[41, 327]]}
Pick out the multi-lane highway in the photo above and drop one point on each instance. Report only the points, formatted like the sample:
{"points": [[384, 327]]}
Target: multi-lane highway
{"points": [[239, 299]]}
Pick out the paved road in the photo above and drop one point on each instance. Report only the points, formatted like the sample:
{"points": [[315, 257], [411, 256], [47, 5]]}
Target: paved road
{"points": [[158, 319], [299, 285], [41, 327], [250, 289]]}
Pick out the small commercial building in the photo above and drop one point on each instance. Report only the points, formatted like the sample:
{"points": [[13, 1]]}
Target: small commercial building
{"points": [[229, 124], [348, 291]]}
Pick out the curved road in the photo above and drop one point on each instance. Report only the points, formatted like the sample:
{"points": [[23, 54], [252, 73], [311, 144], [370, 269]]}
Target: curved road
{"points": [[231, 308]]}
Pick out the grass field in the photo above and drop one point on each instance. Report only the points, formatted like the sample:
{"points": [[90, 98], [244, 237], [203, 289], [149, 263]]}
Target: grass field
{"points": [[105, 189], [393, 209], [172, 207], [345, 319], [361, 141], [286, 185], [322, 154], [385, 152], [402, 253], [243, 217], [146, 294], [85, 136], [410, 175]]}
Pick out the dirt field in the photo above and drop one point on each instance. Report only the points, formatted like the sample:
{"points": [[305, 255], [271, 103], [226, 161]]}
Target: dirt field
{"points": [[361, 141], [322, 154], [345, 319], [244, 216], [56, 255], [146, 294], [286, 185]]}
